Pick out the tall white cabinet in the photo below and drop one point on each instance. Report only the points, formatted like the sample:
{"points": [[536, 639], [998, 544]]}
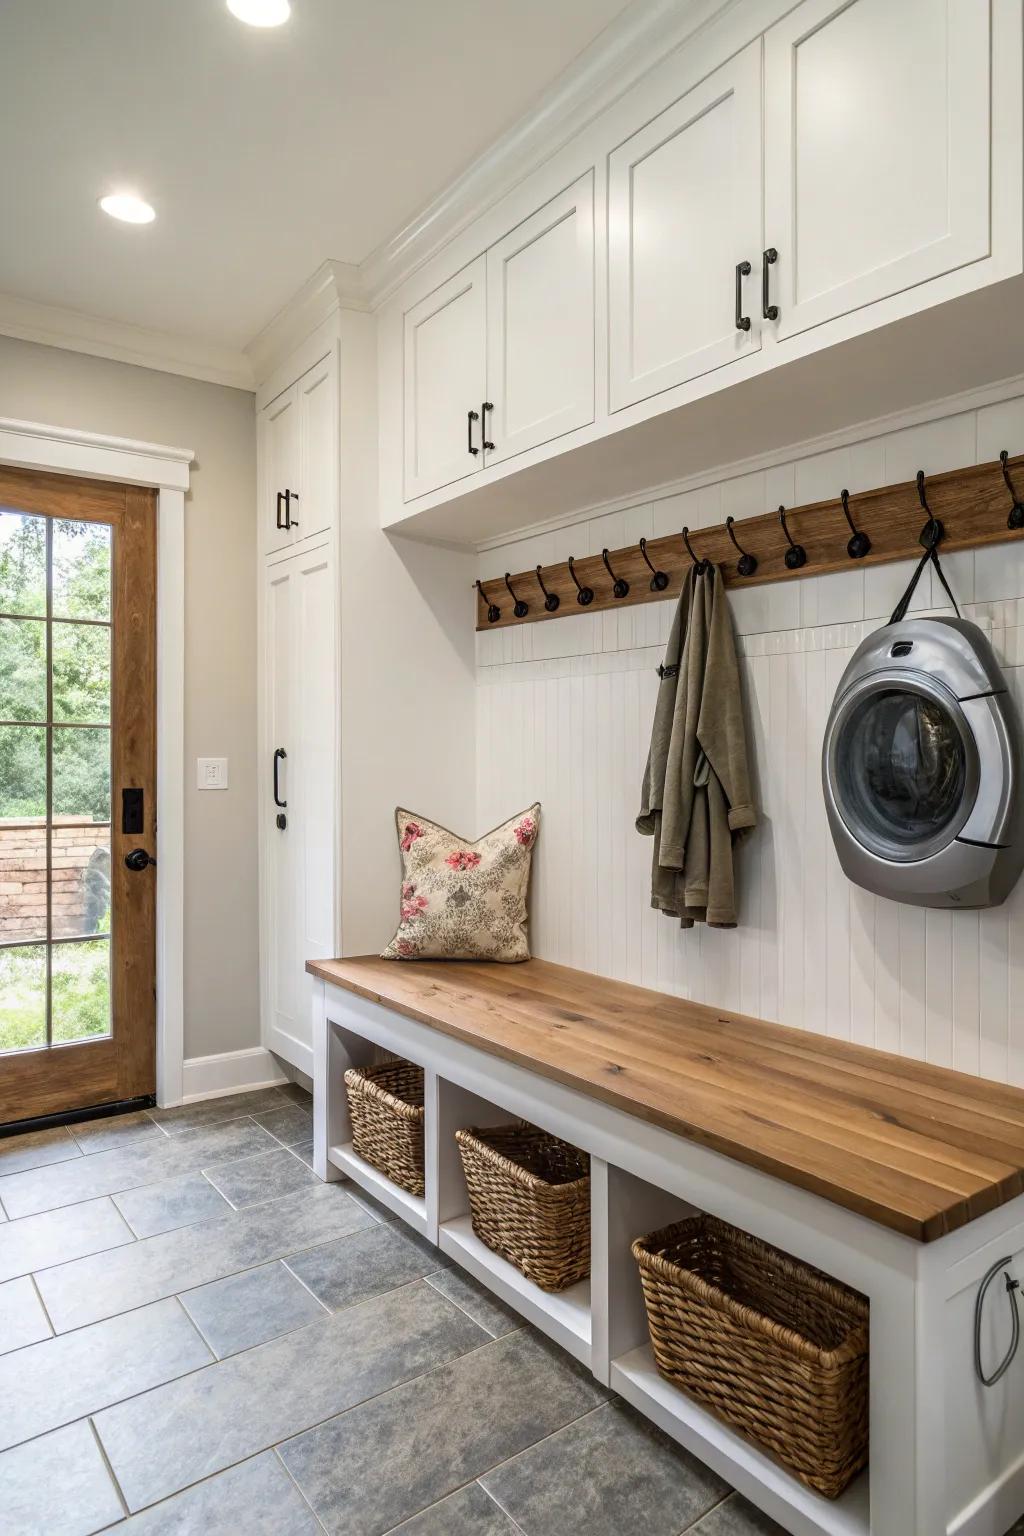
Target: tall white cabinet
{"points": [[298, 436]]}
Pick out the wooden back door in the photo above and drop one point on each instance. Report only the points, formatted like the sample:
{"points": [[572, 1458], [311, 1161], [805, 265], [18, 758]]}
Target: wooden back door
{"points": [[77, 794]]}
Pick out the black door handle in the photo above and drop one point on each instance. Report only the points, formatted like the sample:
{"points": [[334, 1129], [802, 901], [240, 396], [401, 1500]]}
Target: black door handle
{"points": [[289, 497], [487, 406], [742, 320], [280, 498], [278, 755], [769, 311], [138, 860], [471, 416]]}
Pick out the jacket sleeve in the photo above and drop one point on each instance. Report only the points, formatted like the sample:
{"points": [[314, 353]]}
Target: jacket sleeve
{"points": [[721, 730]]}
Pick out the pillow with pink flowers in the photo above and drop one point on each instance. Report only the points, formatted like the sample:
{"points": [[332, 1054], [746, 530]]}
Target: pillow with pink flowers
{"points": [[464, 901]]}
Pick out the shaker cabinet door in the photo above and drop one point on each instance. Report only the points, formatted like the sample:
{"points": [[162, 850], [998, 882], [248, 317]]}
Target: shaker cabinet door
{"points": [[540, 326], [684, 212], [445, 369], [314, 512], [877, 129], [279, 426]]}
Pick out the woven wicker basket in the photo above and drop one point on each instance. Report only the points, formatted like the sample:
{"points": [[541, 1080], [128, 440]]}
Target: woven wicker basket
{"points": [[772, 1346], [385, 1104], [529, 1196]]}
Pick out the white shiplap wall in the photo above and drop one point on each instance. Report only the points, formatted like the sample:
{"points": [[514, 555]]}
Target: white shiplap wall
{"points": [[564, 714]]}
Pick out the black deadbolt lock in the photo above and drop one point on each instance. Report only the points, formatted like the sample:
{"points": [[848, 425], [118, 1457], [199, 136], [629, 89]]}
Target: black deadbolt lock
{"points": [[138, 859]]}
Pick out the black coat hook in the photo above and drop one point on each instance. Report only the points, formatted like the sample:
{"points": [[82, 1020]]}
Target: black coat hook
{"points": [[796, 555], [584, 595], [700, 566], [859, 544], [493, 611], [659, 581], [1015, 517], [551, 599], [521, 609], [746, 564], [620, 587], [933, 530]]}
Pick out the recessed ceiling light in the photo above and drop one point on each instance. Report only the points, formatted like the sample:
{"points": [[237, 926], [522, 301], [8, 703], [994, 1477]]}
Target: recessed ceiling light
{"points": [[128, 208], [261, 13]]}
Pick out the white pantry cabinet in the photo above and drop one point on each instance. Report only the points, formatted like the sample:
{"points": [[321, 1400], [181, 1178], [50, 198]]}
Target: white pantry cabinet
{"points": [[877, 134], [500, 358], [298, 474], [684, 237]]}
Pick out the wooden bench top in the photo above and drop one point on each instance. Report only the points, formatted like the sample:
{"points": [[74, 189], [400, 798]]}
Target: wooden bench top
{"points": [[917, 1148]]}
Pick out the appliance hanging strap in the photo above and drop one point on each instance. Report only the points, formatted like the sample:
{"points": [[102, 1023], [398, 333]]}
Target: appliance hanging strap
{"points": [[899, 613]]}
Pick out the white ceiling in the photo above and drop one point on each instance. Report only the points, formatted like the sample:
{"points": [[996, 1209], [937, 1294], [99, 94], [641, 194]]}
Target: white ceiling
{"points": [[264, 152]]}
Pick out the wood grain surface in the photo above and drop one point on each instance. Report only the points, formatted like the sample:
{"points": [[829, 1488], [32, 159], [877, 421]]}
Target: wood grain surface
{"points": [[917, 1148]]}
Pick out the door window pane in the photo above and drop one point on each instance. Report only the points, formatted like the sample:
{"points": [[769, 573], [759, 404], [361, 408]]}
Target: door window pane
{"points": [[81, 673], [81, 570], [22, 878], [23, 998], [80, 991], [23, 669], [80, 891], [22, 771], [22, 563], [81, 772]]}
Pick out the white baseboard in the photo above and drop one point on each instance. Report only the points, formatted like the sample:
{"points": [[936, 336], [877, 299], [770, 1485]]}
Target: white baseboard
{"points": [[209, 1077]]}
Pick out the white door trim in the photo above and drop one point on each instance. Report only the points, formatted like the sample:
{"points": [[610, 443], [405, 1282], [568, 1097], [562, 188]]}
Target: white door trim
{"points": [[63, 451]]}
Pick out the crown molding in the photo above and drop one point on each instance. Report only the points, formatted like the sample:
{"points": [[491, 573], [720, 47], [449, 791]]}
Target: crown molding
{"points": [[53, 326], [334, 285]]}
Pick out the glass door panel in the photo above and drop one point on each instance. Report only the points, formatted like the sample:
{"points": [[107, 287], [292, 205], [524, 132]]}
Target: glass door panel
{"points": [[55, 806]]}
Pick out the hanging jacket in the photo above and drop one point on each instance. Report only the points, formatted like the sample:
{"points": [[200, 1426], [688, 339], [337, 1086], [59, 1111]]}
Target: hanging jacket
{"points": [[696, 796]]}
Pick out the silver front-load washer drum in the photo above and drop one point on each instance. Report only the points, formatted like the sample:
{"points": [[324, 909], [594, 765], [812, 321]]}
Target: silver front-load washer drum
{"points": [[921, 767]]}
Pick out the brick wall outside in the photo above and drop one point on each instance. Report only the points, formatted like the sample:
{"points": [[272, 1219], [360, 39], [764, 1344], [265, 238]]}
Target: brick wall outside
{"points": [[76, 900]]}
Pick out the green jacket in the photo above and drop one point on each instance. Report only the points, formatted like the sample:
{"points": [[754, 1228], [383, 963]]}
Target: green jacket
{"points": [[696, 793]]}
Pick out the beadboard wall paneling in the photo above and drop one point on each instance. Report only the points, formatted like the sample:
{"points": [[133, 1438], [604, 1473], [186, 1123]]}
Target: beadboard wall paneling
{"points": [[564, 715]]}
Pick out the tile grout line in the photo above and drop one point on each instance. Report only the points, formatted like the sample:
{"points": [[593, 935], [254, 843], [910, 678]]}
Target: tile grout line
{"points": [[430, 1281], [286, 1266], [106, 1462], [46, 1312], [287, 1472]]}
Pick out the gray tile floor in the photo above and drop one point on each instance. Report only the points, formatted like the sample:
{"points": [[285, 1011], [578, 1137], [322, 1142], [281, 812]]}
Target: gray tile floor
{"points": [[197, 1336]]}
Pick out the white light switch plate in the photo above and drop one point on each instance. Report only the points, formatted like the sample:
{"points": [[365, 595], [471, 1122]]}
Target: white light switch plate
{"points": [[211, 773]]}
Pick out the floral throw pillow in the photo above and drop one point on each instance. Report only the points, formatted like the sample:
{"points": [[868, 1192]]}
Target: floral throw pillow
{"points": [[464, 901]]}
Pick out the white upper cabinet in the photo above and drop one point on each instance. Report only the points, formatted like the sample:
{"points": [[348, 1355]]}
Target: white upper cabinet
{"points": [[540, 326], [318, 433], [877, 131], [280, 443], [445, 367], [684, 220]]}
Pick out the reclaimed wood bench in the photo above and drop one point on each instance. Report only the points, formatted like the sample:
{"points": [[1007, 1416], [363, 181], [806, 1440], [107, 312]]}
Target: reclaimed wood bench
{"points": [[902, 1179]]}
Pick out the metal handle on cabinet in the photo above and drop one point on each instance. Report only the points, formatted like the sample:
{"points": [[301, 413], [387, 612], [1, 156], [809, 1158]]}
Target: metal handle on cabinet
{"points": [[471, 416], [487, 406], [280, 498], [278, 755], [769, 311], [742, 271], [289, 497]]}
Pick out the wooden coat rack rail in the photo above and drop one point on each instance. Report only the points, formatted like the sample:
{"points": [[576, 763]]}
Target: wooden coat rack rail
{"points": [[964, 508]]}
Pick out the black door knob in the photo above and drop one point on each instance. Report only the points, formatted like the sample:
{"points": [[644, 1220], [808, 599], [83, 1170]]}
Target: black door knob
{"points": [[138, 859]]}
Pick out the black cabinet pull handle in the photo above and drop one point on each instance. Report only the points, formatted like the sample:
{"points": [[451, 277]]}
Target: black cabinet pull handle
{"points": [[485, 407], [289, 497], [278, 755], [471, 416], [742, 320], [769, 311], [280, 498]]}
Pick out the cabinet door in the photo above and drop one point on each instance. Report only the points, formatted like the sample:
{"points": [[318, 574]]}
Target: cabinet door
{"points": [[316, 754], [280, 438], [540, 325], [445, 378], [318, 448], [684, 210], [279, 939], [876, 150]]}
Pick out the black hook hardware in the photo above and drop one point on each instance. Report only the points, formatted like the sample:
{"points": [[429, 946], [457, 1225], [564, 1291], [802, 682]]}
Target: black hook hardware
{"points": [[859, 544], [933, 530], [746, 564], [620, 588], [520, 609], [742, 320], [493, 611], [796, 555], [659, 581], [700, 566], [1015, 519], [551, 599], [768, 311], [584, 595]]}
